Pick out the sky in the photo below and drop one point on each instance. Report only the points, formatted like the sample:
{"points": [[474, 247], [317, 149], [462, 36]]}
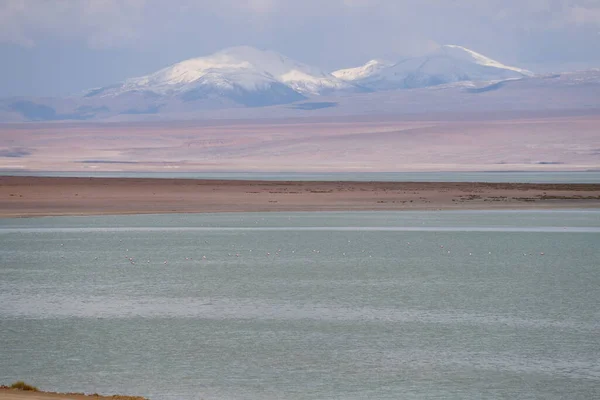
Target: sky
{"points": [[63, 47]]}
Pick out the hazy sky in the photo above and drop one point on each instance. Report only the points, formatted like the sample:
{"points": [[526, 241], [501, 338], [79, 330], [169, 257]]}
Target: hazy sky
{"points": [[57, 47]]}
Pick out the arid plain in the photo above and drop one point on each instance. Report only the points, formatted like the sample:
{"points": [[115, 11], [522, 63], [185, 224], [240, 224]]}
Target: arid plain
{"points": [[539, 142], [502, 142]]}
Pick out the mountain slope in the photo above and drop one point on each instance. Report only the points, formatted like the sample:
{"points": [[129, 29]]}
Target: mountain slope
{"points": [[243, 74], [448, 64], [233, 82], [552, 93], [371, 68]]}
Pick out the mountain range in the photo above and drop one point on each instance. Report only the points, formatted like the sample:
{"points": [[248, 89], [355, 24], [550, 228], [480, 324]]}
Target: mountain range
{"points": [[244, 77], [448, 64]]}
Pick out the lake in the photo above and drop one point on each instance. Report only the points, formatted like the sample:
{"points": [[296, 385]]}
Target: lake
{"points": [[361, 305], [509, 176]]}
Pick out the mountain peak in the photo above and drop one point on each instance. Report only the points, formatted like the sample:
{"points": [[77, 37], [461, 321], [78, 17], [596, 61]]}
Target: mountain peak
{"points": [[250, 76], [234, 69], [447, 64], [248, 54], [245, 51], [463, 54], [364, 71]]}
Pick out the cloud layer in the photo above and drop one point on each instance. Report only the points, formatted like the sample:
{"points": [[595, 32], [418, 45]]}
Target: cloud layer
{"points": [[142, 35]]}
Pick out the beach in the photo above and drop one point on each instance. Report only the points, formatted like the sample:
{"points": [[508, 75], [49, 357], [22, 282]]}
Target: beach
{"points": [[46, 196], [11, 394]]}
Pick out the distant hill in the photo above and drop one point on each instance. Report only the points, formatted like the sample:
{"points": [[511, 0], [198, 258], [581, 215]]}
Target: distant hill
{"points": [[245, 82]]}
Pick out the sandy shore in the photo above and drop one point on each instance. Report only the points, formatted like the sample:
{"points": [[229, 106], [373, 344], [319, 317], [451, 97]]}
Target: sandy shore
{"points": [[43, 196], [11, 394]]}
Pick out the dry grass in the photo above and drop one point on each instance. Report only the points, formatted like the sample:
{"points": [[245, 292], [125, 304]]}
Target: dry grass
{"points": [[20, 385]]}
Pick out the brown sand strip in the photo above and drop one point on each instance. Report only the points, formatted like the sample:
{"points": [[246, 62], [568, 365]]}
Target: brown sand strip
{"points": [[40, 196], [13, 394]]}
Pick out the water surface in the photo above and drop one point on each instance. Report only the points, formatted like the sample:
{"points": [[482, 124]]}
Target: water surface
{"points": [[362, 305], [511, 176]]}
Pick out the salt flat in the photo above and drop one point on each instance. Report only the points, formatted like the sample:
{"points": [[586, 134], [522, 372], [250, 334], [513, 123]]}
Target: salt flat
{"points": [[521, 142]]}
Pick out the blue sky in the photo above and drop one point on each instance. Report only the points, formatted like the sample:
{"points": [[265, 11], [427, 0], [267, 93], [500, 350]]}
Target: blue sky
{"points": [[59, 47]]}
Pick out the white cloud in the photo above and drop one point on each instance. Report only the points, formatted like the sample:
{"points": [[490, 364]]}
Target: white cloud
{"points": [[12, 12], [361, 3], [261, 6], [329, 33], [585, 16], [101, 23], [122, 23]]}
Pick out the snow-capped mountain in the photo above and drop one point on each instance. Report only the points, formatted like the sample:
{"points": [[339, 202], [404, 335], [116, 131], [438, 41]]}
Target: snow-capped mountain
{"points": [[452, 78], [545, 93], [448, 64], [244, 74], [371, 68]]}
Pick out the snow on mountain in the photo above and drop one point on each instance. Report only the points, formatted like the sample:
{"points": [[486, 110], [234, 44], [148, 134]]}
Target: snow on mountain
{"points": [[248, 75], [578, 90], [448, 64], [464, 54], [369, 69], [251, 77], [240, 77]]}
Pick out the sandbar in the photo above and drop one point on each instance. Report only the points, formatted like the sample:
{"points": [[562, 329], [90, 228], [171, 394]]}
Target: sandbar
{"points": [[14, 394], [48, 196]]}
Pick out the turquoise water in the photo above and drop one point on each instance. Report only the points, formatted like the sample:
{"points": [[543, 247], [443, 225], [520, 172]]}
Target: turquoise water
{"points": [[519, 177], [364, 305]]}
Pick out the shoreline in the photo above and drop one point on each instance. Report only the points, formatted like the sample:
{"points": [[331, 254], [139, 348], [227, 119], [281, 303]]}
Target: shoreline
{"points": [[22, 196], [7, 393]]}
